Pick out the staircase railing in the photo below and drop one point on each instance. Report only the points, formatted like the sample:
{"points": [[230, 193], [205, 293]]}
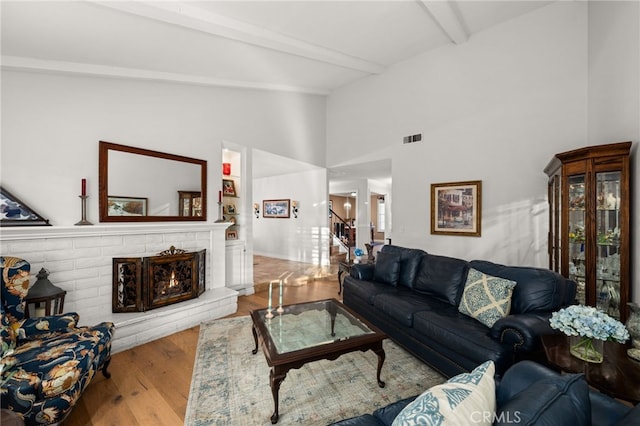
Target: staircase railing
{"points": [[339, 228]]}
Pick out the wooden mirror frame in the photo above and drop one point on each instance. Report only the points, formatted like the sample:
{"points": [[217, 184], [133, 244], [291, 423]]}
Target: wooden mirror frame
{"points": [[103, 185]]}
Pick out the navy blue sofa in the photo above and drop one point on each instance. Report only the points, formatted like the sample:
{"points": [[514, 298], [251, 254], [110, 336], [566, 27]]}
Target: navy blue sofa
{"points": [[413, 296], [530, 393]]}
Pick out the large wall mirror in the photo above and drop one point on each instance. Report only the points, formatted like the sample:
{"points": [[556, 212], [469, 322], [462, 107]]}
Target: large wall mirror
{"points": [[141, 185]]}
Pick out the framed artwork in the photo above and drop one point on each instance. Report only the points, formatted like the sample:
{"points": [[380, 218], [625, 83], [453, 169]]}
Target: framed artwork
{"points": [[229, 188], [231, 234], [127, 206], [230, 208], [456, 208], [276, 208], [14, 212]]}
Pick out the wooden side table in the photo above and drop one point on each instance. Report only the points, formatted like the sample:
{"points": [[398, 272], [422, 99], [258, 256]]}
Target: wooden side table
{"points": [[617, 376], [343, 267]]}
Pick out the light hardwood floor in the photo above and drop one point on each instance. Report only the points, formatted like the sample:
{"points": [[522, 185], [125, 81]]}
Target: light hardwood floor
{"points": [[150, 384]]}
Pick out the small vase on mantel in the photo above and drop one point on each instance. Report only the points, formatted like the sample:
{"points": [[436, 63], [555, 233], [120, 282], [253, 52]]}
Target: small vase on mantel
{"points": [[633, 326], [587, 349]]}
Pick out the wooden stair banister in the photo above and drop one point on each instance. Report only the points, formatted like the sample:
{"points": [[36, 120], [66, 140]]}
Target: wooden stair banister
{"points": [[335, 220]]}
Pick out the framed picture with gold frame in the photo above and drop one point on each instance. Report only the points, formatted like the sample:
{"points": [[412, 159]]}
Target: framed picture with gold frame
{"points": [[456, 208], [229, 188], [276, 208]]}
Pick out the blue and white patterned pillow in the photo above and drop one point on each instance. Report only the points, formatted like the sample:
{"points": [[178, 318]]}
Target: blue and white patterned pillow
{"points": [[486, 298], [468, 398]]}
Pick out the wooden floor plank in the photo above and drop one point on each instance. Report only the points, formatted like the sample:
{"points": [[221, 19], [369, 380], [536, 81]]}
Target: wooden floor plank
{"points": [[150, 383]]}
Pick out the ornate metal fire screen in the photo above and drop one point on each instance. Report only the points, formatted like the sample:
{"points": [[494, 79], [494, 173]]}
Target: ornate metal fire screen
{"points": [[141, 284]]}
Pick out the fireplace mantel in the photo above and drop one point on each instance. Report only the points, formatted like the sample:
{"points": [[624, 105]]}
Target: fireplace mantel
{"points": [[18, 233]]}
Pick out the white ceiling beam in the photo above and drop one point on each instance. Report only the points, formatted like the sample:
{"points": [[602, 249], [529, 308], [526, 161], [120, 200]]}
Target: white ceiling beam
{"points": [[446, 18], [195, 18], [75, 68]]}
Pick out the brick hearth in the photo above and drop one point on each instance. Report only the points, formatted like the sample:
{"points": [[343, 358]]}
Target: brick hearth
{"points": [[79, 259]]}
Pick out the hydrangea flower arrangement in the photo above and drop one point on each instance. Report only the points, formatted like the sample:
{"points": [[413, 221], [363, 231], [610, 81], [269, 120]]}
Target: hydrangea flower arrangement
{"points": [[588, 322], [358, 252]]}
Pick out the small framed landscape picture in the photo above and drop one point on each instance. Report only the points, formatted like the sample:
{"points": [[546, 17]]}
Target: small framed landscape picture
{"points": [[276, 208], [456, 208], [127, 206]]}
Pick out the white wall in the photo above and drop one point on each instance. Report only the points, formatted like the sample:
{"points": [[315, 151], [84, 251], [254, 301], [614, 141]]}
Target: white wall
{"points": [[614, 95], [495, 108], [303, 239], [51, 125]]}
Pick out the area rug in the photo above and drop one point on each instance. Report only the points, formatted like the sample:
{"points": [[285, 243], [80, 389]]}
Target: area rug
{"points": [[230, 386]]}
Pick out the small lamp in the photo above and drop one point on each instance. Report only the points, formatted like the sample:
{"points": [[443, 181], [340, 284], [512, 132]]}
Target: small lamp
{"points": [[46, 298]]}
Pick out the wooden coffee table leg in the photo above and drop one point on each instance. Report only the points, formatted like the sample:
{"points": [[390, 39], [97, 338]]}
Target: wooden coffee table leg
{"points": [[276, 378], [255, 339], [381, 356]]}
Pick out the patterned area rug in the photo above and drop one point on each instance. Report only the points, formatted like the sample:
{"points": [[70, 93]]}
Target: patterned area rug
{"points": [[230, 386]]}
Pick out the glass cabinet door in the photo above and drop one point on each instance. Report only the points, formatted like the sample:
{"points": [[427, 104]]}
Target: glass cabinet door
{"points": [[576, 226], [590, 211], [608, 242]]}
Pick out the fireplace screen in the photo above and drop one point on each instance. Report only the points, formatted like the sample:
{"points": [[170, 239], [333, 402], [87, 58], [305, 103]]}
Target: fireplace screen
{"points": [[141, 284]]}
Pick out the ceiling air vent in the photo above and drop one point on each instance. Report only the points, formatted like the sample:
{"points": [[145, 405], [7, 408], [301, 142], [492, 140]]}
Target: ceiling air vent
{"points": [[412, 138]]}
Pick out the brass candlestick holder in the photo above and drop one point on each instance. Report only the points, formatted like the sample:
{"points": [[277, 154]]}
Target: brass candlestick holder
{"points": [[84, 220]]}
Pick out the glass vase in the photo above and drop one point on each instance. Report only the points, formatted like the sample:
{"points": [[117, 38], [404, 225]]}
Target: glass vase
{"points": [[586, 349]]}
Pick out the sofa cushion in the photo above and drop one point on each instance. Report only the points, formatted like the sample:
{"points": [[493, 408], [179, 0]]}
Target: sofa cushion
{"points": [[366, 290], [387, 268], [403, 304], [463, 399], [537, 289], [442, 277], [388, 413], [486, 298], [15, 277], [410, 260], [561, 400], [462, 335]]}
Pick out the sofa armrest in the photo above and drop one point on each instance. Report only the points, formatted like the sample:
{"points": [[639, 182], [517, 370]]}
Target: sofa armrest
{"points": [[362, 271], [523, 331], [519, 377], [35, 328]]}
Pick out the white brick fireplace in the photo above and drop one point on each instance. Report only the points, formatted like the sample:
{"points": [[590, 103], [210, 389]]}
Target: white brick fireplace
{"points": [[79, 259]]}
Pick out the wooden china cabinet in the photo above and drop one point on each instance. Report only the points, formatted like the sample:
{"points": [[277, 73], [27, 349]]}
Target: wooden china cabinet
{"points": [[589, 227]]}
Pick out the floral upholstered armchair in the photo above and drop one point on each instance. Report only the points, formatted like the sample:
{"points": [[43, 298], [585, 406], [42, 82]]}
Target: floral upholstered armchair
{"points": [[48, 361]]}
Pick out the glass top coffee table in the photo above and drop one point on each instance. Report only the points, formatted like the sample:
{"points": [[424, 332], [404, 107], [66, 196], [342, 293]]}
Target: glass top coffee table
{"points": [[312, 331]]}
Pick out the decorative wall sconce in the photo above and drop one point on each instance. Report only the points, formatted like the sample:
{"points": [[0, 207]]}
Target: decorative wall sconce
{"points": [[294, 209], [256, 210], [44, 298]]}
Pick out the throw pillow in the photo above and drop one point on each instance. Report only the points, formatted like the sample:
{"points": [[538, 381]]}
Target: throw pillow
{"points": [[486, 298], [387, 268], [468, 398]]}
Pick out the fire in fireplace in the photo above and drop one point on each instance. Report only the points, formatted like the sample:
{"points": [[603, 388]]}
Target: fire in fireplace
{"points": [[141, 284]]}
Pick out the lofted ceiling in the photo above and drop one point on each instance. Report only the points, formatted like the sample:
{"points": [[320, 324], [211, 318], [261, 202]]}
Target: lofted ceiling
{"points": [[303, 46]]}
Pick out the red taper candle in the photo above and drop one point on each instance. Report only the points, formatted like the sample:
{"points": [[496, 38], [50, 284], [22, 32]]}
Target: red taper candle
{"points": [[84, 187]]}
